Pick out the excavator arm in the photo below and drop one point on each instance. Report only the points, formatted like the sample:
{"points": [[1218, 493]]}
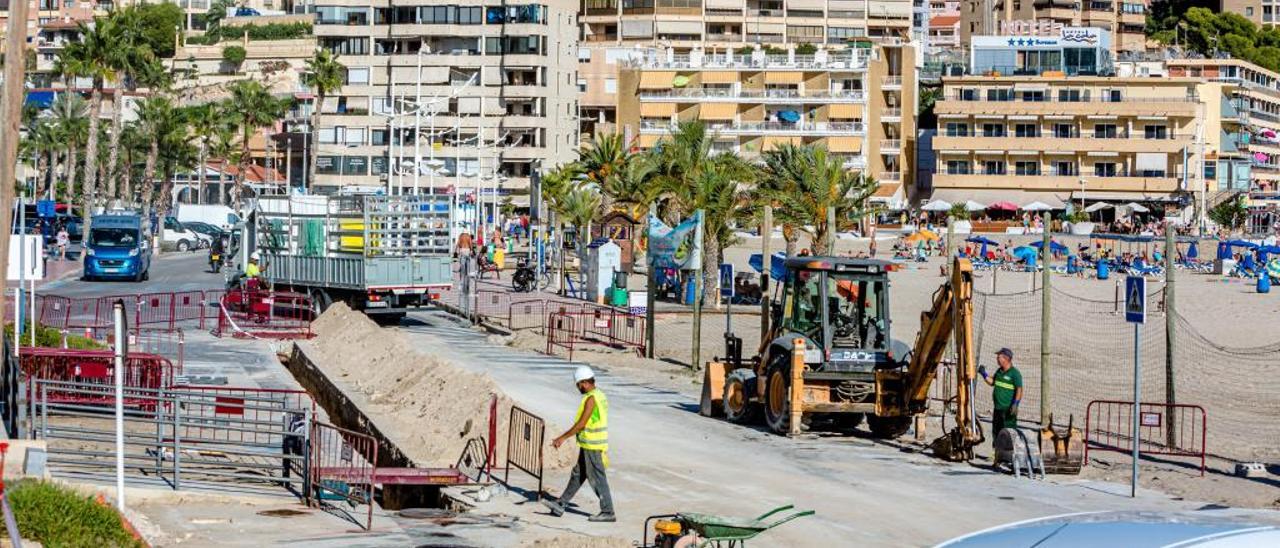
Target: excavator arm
{"points": [[950, 318]]}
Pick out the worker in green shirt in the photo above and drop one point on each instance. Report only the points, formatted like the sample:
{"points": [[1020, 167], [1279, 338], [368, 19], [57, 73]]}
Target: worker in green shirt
{"points": [[1007, 392]]}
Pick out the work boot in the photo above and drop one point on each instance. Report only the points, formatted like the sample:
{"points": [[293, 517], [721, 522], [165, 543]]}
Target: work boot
{"points": [[554, 506], [603, 517]]}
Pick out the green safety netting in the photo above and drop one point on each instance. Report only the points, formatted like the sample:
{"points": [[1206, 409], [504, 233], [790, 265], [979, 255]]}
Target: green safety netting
{"points": [[312, 237]]}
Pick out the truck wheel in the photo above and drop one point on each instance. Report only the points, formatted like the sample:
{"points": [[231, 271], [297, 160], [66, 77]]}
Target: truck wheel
{"points": [[739, 386], [777, 393], [386, 320], [888, 427], [184, 246], [320, 301]]}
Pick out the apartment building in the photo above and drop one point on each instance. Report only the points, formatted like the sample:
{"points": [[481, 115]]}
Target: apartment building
{"points": [[1055, 138], [1125, 20], [469, 99], [1255, 93], [858, 102], [611, 29]]}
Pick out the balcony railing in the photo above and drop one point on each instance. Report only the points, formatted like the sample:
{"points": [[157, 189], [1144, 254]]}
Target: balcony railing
{"points": [[762, 128], [891, 144], [762, 94], [1052, 171], [849, 59], [890, 176], [892, 113], [1053, 98], [892, 81], [1072, 135]]}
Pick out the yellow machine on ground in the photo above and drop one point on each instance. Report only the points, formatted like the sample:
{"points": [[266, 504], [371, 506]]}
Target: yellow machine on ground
{"points": [[829, 358]]}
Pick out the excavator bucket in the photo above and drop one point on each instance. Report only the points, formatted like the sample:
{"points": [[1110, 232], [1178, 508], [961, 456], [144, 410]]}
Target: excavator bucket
{"points": [[1062, 448]]}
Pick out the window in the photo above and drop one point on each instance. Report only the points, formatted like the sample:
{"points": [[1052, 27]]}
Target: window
{"points": [[993, 167], [1064, 131], [999, 95], [582, 85], [346, 46], [354, 136], [959, 167], [379, 137], [328, 165], [378, 165], [969, 94], [1104, 131], [1064, 169], [1156, 132], [1248, 11], [355, 165], [610, 85], [1111, 96], [1026, 130], [1033, 96], [1104, 169], [1211, 170], [993, 130], [957, 129], [1026, 168], [358, 75], [1069, 95], [840, 35], [328, 135]]}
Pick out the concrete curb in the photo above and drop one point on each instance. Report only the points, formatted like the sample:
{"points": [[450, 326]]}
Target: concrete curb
{"points": [[492, 328]]}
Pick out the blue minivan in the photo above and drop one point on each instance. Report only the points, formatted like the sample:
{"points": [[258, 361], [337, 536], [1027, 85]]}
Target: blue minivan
{"points": [[117, 249]]}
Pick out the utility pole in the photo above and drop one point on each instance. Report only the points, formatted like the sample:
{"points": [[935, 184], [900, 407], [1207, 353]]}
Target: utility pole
{"points": [[766, 261], [11, 106], [651, 290], [697, 295], [1046, 317], [1170, 331], [831, 230]]}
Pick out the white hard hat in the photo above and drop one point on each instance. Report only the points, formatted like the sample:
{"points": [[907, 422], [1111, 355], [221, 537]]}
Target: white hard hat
{"points": [[583, 373], [255, 256]]}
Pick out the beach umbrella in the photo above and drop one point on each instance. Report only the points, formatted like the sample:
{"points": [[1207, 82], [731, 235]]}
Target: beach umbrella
{"points": [[1037, 206], [1054, 247], [922, 236], [1241, 243], [1025, 253], [1097, 207], [937, 205], [1136, 207], [984, 242], [1003, 206], [971, 205], [777, 268]]}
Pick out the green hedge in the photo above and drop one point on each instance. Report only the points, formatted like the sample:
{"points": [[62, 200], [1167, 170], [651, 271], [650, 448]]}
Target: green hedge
{"points": [[51, 337], [270, 31], [54, 515]]}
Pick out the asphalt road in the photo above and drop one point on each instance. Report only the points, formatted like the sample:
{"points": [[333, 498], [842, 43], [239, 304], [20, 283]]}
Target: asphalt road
{"points": [[170, 271]]}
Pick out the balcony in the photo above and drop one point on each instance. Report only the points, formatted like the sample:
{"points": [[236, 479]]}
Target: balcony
{"points": [[1049, 143], [853, 59], [855, 162], [772, 96], [1058, 183], [891, 113], [890, 146], [893, 176], [825, 129], [891, 82]]}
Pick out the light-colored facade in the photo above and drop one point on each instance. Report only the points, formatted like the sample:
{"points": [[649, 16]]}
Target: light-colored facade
{"points": [[944, 33], [859, 103], [491, 90], [1054, 139], [611, 29], [1124, 19], [1256, 94]]}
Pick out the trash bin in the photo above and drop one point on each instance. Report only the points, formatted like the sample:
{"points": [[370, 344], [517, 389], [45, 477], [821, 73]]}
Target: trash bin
{"points": [[620, 280], [1104, 271], [1264, 283], [690, 289], [619, 297]]}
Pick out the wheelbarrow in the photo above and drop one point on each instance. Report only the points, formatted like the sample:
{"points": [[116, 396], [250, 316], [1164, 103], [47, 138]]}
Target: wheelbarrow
{"points": [[690, 530]]}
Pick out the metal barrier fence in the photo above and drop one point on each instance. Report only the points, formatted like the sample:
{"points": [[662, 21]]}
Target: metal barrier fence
{"points": [[562, 331], [526, 314], [155, 309], [162, 341], [525, 434], [1163, 429], [92, 368], [220, 437], [343, 464], [265, 315]]}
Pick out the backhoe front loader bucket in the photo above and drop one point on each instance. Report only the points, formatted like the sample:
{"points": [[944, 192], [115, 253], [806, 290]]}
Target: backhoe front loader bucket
{"points": [[1062, 448]]}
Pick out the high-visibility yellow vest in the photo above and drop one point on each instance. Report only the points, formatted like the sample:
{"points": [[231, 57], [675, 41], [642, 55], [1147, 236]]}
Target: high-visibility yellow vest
{"points": [[251, 270], [595, 436]]}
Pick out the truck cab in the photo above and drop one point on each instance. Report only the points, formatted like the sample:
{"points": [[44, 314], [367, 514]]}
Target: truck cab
{"points": [[117, 249]]}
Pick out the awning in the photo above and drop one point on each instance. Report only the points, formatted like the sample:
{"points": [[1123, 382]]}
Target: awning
{"points": [[40, 99], [717, 111], [789, 116], [1092, 196], [659, 79], [987, 196], [637, 28], [657, 109], [769, 142], [1148, 161], [680, 81], [719, 77], [783, 77], [844, 111], [844, 144], [679, 27]]}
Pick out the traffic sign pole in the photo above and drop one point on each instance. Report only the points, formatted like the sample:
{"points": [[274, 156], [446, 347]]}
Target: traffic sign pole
{"points": [[1137, 397], [1135, 312]]}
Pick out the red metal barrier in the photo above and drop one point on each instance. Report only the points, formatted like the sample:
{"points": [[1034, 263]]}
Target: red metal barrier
{"points": [[82, 313], [615, 327], [343, 464], [154, 309], [526, 433], [188, 306], [53, 310], [211, 305], [93, 367], [265, 315], [562, 331], [1164, 429], [528, 314], [167, 342]]}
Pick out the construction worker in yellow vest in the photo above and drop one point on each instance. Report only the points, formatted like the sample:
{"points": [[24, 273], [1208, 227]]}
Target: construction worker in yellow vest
{"points": [[591, 429]]}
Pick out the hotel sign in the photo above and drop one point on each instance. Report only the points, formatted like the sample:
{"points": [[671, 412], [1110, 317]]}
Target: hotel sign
{"points": [[1043, 27]]}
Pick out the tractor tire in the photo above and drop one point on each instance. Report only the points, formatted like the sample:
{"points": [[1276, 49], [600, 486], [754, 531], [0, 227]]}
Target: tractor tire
{"points": [[846, 422], [777, 393], [888, 427], [738, 389]]}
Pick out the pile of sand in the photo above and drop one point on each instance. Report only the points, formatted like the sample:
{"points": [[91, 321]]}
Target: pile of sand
{"points": [[426, 405]]}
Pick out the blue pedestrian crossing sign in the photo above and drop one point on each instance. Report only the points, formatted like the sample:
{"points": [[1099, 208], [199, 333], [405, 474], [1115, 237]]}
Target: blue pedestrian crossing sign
{"points": [[726, 281], [1135, 299]]}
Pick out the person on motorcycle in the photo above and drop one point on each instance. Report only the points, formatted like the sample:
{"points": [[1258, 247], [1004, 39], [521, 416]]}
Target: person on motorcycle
{"points": [[216, 253]]}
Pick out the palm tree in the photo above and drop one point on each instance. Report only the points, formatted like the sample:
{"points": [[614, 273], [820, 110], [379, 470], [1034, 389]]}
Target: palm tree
{"points": [[804, 182], [205, 121], [324, 76], [158, 121], [70, 113], [89, 58], [223, 147], [39, 144], [694, 178], [581, 207], [129, 57], [254, 108], [603, 160], [176, 152]]}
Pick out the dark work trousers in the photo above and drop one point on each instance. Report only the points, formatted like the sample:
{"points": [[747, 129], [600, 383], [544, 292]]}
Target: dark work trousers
{"points": [[1001, 419], [591, 465]]}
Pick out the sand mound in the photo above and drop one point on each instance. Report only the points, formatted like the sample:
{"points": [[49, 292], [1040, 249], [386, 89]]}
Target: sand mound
{"points": [[579, 541], [428, 406]]}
